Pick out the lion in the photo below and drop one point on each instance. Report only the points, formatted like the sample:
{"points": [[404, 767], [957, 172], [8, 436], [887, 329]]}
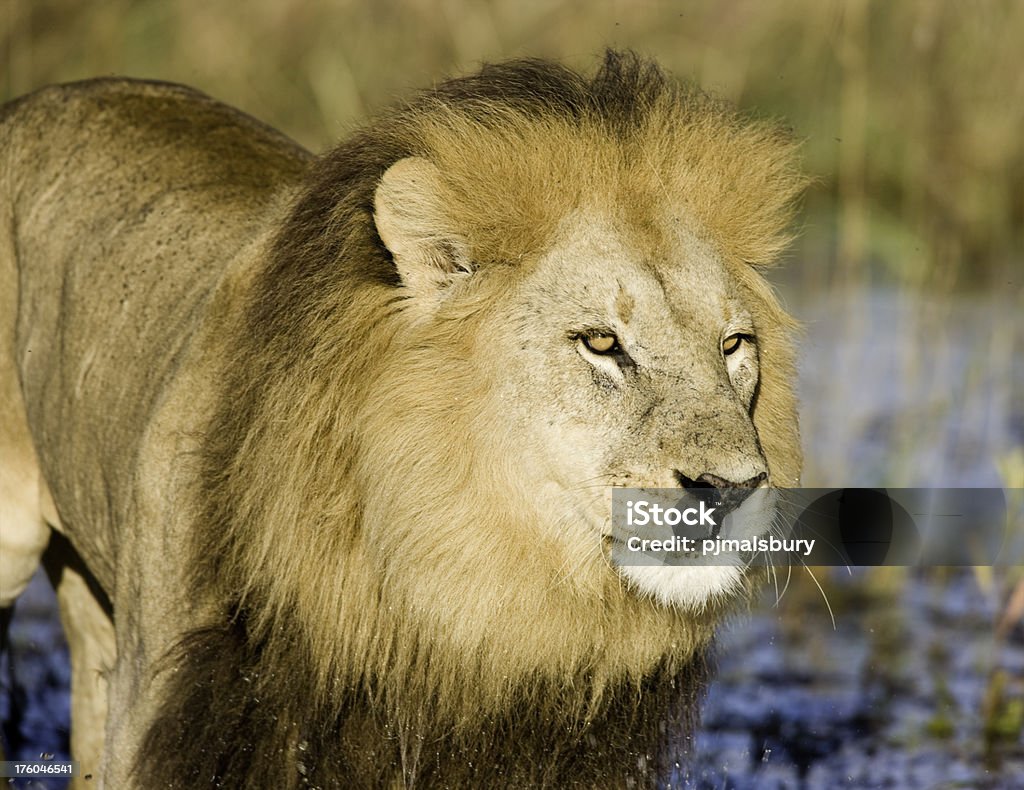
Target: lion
{"points": [[322, 445]]}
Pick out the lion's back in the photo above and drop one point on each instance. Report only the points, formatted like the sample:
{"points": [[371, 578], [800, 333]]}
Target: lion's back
{"points": [[121, 204]]}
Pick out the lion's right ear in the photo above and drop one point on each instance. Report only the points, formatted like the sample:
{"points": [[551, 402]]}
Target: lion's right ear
{"points": [[409, 211]]}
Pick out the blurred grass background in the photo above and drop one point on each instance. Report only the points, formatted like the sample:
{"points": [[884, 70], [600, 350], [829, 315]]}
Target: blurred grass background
{"points": [[912, 111], [908, 270]]}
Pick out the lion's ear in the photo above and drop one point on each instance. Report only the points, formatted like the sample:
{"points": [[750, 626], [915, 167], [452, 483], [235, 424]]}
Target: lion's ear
{"points": [[409, 211]]}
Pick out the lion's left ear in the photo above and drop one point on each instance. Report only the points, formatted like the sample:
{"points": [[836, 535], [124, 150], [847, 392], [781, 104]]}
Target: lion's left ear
{"points": [[409, 211]]}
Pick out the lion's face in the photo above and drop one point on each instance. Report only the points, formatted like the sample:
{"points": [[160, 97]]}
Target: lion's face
{"points": [[626, 360], [626, 354], [630, 368]]}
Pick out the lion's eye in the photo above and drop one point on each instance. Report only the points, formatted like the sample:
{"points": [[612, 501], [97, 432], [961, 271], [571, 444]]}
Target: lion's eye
{"points": [[601, 344], [732, 343]]}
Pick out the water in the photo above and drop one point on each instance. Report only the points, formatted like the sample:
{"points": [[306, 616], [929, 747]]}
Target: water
{"points": [[908, 390], [893, 696]]}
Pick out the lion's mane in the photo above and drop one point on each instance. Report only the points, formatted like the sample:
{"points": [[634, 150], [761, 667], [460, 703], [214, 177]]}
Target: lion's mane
{"points": [[328, 664]]}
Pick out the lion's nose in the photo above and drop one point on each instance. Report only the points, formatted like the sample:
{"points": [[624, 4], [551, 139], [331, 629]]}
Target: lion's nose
{"points": [[707, 480], [724, 494]]}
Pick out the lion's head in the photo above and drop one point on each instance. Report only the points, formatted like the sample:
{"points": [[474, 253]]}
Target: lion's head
{"points": [[487, 308]]}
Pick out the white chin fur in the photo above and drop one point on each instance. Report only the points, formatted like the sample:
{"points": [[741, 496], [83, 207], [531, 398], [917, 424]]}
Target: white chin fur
{"points": [[696, 582], [690, 587]]}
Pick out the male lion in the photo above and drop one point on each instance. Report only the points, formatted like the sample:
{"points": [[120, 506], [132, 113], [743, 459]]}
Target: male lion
{"points": [[325, 442]]}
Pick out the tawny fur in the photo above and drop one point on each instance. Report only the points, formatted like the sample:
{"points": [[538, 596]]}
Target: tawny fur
{"points": [[375, 595]]}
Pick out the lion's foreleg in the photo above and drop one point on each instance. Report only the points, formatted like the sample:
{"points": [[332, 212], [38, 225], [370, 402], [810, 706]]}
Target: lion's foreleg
{"points": [[85, 615]]}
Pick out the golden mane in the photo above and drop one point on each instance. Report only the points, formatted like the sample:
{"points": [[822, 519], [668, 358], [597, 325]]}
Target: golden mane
{"points": [[330, 424]]}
